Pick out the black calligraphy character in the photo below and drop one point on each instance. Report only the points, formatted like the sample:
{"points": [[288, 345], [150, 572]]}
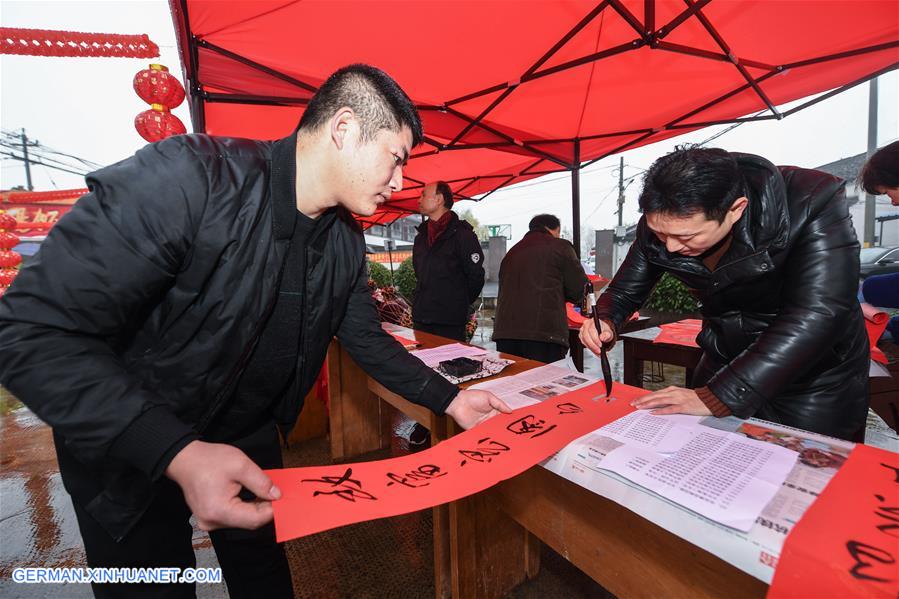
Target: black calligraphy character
{"points": [[859, 551], [348, 489], [486, 450], [894, 469], [423, 474], [890, 513], [569, 408], [528, 425]]}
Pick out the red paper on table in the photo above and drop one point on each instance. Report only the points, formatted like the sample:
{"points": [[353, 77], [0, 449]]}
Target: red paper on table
{"points": [[875, 323], [575, 319], [406, 343], [319, 498], [847, 543], [682, 332]]}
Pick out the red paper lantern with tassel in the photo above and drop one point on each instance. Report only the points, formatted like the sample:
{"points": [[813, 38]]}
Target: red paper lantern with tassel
{"points": [[9, 259], [156, 85], [158, 123], [7, 275], [8, 240], [7, 222]]}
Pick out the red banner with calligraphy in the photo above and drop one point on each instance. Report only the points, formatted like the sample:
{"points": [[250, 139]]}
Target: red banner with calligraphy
{"points": [[319, 498], [35, 219], [847, 543]]}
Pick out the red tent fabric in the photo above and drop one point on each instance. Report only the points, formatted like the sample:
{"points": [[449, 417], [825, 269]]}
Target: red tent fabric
{"points": [[510, 90]]}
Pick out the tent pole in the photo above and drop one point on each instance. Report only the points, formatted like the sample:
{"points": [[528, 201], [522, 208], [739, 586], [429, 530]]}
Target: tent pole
{"points": [[870, 204], [576, 197]]}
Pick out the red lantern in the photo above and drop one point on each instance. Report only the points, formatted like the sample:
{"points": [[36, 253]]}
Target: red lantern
{"points": [[7, 222], [7, 275], [8, 240], [157, 86], [158, 123], [9, 259]]}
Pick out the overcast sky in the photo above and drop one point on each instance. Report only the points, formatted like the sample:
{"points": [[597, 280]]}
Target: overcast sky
{"points": [[86, 107]]}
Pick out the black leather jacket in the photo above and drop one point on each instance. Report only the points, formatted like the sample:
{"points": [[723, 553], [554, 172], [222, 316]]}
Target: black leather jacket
{"points": [[132, 324], [783, 334]]}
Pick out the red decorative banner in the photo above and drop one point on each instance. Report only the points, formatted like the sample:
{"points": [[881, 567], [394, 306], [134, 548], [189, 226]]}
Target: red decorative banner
{"points": [[43, 42], [682, 332], [847, 543], [35, 217], [324, 497]]}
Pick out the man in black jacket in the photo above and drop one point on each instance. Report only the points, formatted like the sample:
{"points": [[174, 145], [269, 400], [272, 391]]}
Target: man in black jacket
{"points": [[538, 275], [771, 254], [449, 266], [185, 307]]}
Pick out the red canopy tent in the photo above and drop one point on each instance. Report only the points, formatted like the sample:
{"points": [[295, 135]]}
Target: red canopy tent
{"points": [[510, 90]]}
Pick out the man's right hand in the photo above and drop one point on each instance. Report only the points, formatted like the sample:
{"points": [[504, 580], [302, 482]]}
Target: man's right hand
{"points": [[212, 475], [593, 340]]}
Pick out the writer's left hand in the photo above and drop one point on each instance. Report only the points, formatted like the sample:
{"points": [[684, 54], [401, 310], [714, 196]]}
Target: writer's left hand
{"points": [[471, 407], [672, 400]]}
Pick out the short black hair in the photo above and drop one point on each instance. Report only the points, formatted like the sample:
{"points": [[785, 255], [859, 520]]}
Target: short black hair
{"points": [[544, 222], [881, 170], [446, 192], [378, 101], [691, 180]]}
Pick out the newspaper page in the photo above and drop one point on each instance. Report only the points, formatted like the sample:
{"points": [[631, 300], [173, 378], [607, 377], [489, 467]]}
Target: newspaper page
{"points": [[754, 551], [535, 385], [721, 475]]}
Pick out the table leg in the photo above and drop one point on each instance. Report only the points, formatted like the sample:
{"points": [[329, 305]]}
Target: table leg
{"points": [[633, 366], [355, 422]]}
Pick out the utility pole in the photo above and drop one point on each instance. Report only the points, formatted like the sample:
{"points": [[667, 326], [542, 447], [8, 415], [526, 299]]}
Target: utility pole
{"points": [[870, 206], [27, 161], [620, 190]]}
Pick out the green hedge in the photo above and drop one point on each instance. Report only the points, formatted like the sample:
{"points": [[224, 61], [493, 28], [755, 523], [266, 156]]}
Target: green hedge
{"points": [[380, 274], [405, 279], [670, 295]]}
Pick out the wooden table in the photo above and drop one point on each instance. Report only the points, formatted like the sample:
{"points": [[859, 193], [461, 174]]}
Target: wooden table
{"points": [[361, 412], [639, 347], [487, 544]]}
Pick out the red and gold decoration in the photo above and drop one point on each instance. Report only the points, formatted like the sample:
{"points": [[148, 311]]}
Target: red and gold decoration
{"points": [[43, 42], [9, 260], [162, 91]]}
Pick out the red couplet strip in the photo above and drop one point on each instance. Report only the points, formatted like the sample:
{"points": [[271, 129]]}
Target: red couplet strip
{"points": [[319, 498], [847, 543]]}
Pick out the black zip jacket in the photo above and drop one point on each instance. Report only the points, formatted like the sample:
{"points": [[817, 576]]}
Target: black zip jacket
{"points": [[783, 334], [449, 275], [130, 327]]}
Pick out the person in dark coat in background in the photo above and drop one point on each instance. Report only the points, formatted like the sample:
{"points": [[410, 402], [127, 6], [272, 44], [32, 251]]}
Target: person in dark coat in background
{"points": [[180, 312], [449, 266], [771, 254], [537, 276]]}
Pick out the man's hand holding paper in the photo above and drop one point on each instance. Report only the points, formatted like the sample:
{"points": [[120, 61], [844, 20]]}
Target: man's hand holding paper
{"points": [[472, 406]]}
